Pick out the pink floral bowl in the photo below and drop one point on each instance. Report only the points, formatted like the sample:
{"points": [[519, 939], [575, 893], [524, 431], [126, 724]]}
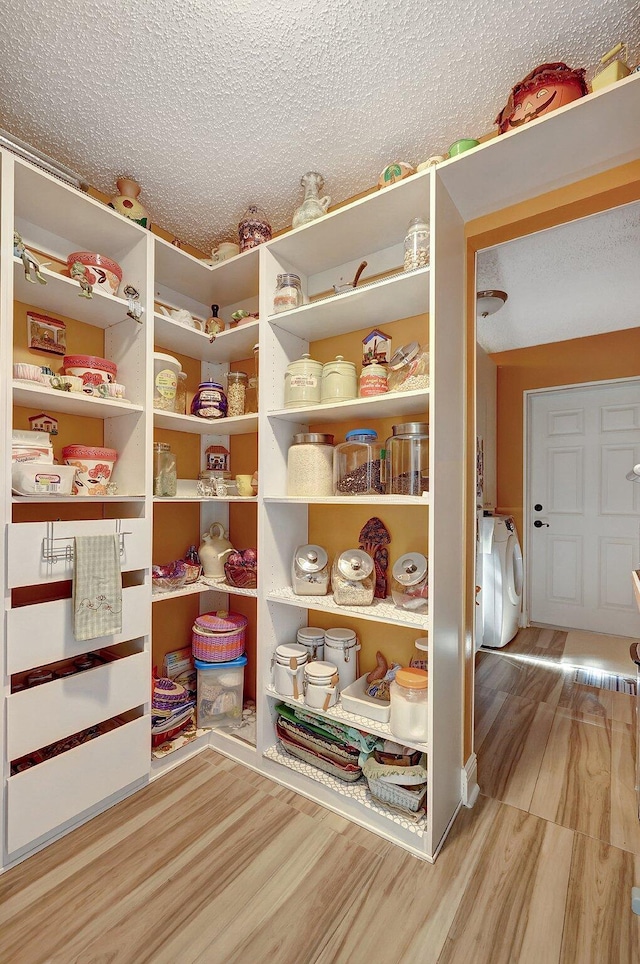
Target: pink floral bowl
{"points": [[93, 466], [102, 272]]}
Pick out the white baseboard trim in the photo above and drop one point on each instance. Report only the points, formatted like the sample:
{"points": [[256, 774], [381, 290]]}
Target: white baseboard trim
{"points": [[469, 778]]}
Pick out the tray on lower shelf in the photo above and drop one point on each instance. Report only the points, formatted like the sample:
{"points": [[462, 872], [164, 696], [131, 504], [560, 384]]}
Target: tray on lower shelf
{"points": [[358, 792]]}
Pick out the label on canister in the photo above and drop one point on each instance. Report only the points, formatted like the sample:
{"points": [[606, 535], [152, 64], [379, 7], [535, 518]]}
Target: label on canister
{"points": [[166, 383], [303, 381]]}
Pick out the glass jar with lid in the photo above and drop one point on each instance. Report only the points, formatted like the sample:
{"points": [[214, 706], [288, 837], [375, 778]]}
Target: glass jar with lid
{"points": [[417, 245], [409, 368], [310, 465], [374, 380], [236, 393], [303, 382], [409, 586], [406, 465], [181, 394], [310, 571], [339, 382], [209, 401], [357, 464], [352, 579], [288, 293], [409, 717], [165, 475], [251, 400]]}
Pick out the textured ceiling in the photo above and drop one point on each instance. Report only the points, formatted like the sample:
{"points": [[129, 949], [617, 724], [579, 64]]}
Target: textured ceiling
{"points": [[569, 282], [214, 105]]}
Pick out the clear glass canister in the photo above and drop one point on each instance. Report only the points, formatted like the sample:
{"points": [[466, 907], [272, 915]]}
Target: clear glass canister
{"points": [[251, 401], [409, 368], [352, 578], [310, 465], [406, 466], [181, 394], [288, 293], [357, 464], [209, 401], [409, 719], [303, 382], [374, 380], [310, 571], [409, 586], [416, 245], [236, 393], [165, 474], [339, 382]]}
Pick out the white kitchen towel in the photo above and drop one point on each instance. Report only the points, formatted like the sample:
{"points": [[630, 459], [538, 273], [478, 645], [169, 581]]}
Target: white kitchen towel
{"points": [[97, 587]]}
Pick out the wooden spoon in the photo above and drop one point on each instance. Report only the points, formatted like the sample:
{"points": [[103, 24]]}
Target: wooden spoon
{"points": [[293, 666], [363, 265]]}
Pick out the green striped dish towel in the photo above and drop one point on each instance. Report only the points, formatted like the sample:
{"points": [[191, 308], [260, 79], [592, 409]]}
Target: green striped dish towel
{"points": [[97, 587]]}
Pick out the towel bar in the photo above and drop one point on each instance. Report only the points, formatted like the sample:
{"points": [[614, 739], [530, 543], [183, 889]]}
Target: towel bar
{"points": [[56, 553]]}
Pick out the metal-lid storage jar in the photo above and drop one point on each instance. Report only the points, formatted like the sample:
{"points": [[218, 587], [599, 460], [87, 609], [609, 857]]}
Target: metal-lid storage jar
{"points": [[288, 669], [342, 648], [339, 383], [310, 465], [357, 464], [312, 638], [409, 583], [320, 685], [303, 382], [310, 571], [416, 244], [288, 293], [352, 578], [409, 368], [406, 467], [236, 393]]}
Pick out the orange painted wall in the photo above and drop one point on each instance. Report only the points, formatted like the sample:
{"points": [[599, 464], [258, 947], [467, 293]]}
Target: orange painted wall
{"points": [[600, 357]]}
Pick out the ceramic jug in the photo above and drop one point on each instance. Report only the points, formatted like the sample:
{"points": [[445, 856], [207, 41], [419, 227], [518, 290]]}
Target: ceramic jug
{"points": [[214, 550]]}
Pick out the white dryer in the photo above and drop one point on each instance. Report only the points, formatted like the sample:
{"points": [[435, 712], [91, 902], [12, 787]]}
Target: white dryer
{"points": [[501, 580]]}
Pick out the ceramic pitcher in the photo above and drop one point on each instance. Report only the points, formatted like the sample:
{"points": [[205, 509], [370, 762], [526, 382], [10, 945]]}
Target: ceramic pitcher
{"points": [[214, 550]]}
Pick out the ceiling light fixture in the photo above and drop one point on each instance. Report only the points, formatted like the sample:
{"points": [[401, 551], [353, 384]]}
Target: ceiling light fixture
{"points": [[488, 302]]}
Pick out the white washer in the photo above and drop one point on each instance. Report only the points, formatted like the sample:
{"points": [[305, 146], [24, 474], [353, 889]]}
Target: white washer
{"points": [[501, 580]]}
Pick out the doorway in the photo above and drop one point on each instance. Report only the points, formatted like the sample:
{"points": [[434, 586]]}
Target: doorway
{"points": [[582, 515]]}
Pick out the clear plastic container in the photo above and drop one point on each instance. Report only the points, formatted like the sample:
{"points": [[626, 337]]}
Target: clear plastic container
{"points": [[417, 245], [409, 583], [409, 718], [303, 382], [236, 393], [406, 466], [165, 381], [352, 579], [310, 571], [165, 473], [357, 464], [288, 293], [339, 382], [409, 368], [310, 465], [220, 692]]}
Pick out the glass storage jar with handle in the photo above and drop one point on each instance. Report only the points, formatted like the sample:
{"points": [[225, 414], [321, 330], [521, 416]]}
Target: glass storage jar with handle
{"points": [[356, 464], [406, 465]]}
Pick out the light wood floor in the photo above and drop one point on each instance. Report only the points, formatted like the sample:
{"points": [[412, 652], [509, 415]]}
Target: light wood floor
{"points": [[215, 864]]}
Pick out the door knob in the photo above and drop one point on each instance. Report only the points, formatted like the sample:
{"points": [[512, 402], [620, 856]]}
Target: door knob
{"points": [[539, 525], [537, 507]]}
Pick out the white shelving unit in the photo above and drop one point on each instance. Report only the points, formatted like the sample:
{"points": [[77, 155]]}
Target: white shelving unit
{"points": [[45, 801]]}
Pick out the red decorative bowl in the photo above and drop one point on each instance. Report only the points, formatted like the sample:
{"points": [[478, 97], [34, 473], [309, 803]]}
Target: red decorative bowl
{"points": [[102, 272], [94, 467], [91, 369]]}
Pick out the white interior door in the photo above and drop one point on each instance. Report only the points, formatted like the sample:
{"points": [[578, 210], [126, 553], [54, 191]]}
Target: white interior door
{"points": [[583, 514]]}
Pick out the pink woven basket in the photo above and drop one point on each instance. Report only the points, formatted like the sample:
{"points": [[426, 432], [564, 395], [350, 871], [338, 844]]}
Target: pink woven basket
{"points": [[218, 637]]}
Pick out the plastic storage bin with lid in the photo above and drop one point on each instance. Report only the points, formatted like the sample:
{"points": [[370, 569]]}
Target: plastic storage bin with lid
{"points": [[357, 464], [166, 370], [220, 692], [409, 718]]}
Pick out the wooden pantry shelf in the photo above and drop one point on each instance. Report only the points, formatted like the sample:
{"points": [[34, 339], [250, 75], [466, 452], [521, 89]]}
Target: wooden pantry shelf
{"points": [[380, 611], [400, 296], [234, 344], [390, 405], [61, 296], [32, 395], [238, 425]]}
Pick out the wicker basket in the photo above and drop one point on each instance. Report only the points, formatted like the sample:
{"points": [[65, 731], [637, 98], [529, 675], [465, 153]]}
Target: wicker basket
{"points": [[410, 800], [218, 637]]}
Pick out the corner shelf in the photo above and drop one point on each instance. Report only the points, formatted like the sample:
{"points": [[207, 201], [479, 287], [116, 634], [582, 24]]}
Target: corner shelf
{"points": [[228, 282], [381, 610], [32, 395], [233, 344], [199, 587], [372, 499], [238, 425], [61, 295], [390, 405]]}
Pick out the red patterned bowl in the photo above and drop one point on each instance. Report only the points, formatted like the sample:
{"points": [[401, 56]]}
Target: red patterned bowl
{"points": [[94, 467], [91, 369], [102, 272]]}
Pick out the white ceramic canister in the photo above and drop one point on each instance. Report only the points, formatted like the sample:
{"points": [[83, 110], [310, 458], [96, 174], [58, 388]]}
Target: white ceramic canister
{"points": [[312, 638], [303, 383], [320, 685], [339, 382], [341, 647], [288, 664]]}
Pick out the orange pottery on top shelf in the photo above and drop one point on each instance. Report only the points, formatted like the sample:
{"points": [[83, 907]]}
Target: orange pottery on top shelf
{"points": [[126, 202]]}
